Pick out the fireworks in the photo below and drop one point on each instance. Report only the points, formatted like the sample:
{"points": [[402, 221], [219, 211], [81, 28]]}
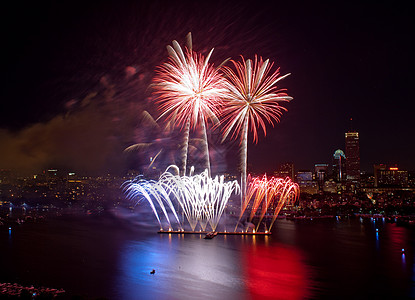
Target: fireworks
{"points": [[156, 144], [189, 91], [252, 97], [251, 100], [201, 198], [268, 196], [188, 87]]}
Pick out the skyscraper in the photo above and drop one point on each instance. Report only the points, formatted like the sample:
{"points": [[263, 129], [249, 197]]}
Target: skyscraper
{"points": [[321, 172], [352, 157], [339, 166]]}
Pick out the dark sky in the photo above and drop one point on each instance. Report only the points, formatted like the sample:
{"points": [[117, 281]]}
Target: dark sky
{"points": [[75, 77]]}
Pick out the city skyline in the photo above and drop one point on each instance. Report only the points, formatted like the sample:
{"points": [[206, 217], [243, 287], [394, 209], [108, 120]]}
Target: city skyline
{"points": [[76, 78]]}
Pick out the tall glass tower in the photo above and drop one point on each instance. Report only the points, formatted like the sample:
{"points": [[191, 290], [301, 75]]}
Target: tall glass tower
{"points": [[339, 166], [353, 157]]}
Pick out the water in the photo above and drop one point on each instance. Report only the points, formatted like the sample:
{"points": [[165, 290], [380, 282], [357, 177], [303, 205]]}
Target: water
{"points": [[109, 257]]}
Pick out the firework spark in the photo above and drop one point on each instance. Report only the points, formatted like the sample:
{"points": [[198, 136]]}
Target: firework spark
{"points": [[156, 144], [201, 198], [189, 90], [268, 196], [252, 99]]}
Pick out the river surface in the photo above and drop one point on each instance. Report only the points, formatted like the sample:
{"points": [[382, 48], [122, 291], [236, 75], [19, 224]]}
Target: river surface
{"points": [[105, 256]]}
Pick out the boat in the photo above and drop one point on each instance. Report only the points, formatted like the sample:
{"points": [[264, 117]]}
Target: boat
{"points": [[211, 235]]}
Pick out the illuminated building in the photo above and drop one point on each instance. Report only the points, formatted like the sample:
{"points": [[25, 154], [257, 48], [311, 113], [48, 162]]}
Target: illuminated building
{"points": [[411, 178], [376, 172], [353, 157], [330, 186], [304, 176], [285, 170], [320, 171], [339, 166], [306, 183], [52, 177], [390, 176]]}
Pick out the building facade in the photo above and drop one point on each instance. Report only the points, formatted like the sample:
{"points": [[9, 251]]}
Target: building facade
{"points": [[339, 166], [390, 176], [352, 157], [285, 170]]}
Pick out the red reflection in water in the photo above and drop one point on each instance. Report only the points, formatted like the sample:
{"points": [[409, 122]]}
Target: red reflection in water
{"points": [[397, 235], [275, 272]]}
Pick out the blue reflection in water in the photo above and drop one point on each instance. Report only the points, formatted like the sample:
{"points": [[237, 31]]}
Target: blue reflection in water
{"points": [[189, 265], [137, 261], [377, 240]]}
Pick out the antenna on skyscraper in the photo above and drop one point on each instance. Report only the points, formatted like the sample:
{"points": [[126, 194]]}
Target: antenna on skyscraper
{"points": [[351, 125]]}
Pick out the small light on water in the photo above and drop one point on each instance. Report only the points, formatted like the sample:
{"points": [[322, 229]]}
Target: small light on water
{"points": [[377, 230]]}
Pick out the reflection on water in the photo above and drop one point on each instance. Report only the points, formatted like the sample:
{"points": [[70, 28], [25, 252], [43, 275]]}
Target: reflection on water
{"points": [[104, 257], [233, 267], [186, 267], [275, 272]]}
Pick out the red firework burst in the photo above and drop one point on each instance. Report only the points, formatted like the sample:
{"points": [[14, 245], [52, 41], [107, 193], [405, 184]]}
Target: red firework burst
{"points": [[188, 87]]}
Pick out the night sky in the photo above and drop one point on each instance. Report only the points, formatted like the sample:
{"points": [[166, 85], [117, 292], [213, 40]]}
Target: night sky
{"points": [[75, 77]]}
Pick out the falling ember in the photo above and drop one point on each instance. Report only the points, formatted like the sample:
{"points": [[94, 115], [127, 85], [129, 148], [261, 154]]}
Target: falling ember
{"points": [[268, 196], [201, 198]]}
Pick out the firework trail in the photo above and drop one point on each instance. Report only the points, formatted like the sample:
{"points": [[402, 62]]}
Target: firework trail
{"points": [[201, 198], [157, 144], [189, 90], [265, 195], [252, 98]]}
